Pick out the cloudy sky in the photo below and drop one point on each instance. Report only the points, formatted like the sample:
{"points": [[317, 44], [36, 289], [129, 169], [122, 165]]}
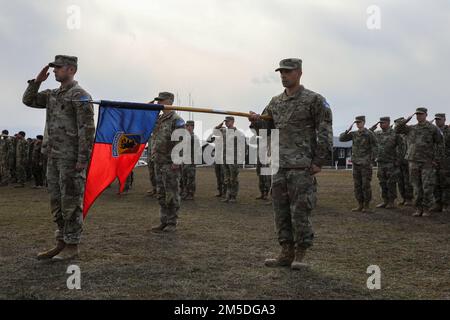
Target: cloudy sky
{"points": [[224, 53]]}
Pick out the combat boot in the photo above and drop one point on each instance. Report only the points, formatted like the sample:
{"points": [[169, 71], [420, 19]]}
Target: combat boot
{"points": [[70, 251], [445, 209], [170, 228], [232, 200], [418, 212], [437, 208], [402, 203], [359, 208], [382, 205], [391, 205], [426, 212], [52, 252], [367, 208], [19, 185], [226, 199], [297, 264], [408, 203], [285, 257], [261, 197], [159, 228]]}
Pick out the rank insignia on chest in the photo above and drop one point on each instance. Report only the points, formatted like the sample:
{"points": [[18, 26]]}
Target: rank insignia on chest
{"points": [[125, 144]]}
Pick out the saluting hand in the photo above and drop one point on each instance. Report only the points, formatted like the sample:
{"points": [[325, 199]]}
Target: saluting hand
{"points": [[350, 129], [43, 75]]}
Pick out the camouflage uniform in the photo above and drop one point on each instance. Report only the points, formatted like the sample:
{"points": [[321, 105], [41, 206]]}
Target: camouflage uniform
{"points": [[264, 181], [218, 170], [188, 170], [12, 159], [151, 165], [4, 168], [221, 187], [29, 163], [364, 152], [166, 173], [423, 142], [404, 184], [37, 163], [230, 166], [70, 133], [387, 159], [21, 160], [304, 121], [129, 182], [442, 190]]}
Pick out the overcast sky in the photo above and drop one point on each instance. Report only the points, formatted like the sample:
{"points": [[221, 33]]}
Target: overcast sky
{"points": [[224, 53]]}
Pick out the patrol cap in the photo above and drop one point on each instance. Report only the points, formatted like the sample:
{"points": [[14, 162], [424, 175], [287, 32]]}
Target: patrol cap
{"points": [[439, 116], [229, 118], [165, 96], [190, 123], [22, 133], [40, 137], [290, 64], [360, 118], [62, 60], [385, 119], [399, 119], [421, 110], [5, 132]]}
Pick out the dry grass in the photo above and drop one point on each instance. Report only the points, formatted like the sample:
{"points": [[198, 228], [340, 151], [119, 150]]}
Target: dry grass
{"points": [[219, 249]]}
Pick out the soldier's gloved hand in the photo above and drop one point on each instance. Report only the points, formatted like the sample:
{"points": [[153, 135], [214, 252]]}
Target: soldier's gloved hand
{"points": [[81, 166], [253, 117]]}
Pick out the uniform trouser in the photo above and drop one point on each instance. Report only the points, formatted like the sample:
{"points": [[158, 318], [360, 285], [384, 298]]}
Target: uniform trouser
{"points": [[66, 188], [38, 173], [21, 173], [387, 177], [219, 170], [362, 177], [151, 173], [264, 180], [4, 172], [12, 171], [188, 178], [423, 178], [442, 188], [294, 198], [231, 179], [168, 192], [404, 184], [129, 181]]}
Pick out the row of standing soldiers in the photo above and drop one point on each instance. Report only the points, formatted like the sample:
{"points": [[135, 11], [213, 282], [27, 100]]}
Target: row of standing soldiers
{"points": [[21, 160], [227, 173], [414, 157]]}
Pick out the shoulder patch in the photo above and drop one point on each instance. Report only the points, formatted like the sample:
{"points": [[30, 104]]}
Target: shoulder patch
{"points": [[179, 123]]}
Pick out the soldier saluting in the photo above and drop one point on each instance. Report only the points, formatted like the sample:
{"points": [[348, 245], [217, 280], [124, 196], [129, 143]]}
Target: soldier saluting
{"points": [[304, 122], [424, 145], [387, 159], [70, 128], [364, 153]]}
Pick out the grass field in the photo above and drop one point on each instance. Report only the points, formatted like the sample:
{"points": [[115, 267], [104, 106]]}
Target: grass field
{"points": [[219, 249]]}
